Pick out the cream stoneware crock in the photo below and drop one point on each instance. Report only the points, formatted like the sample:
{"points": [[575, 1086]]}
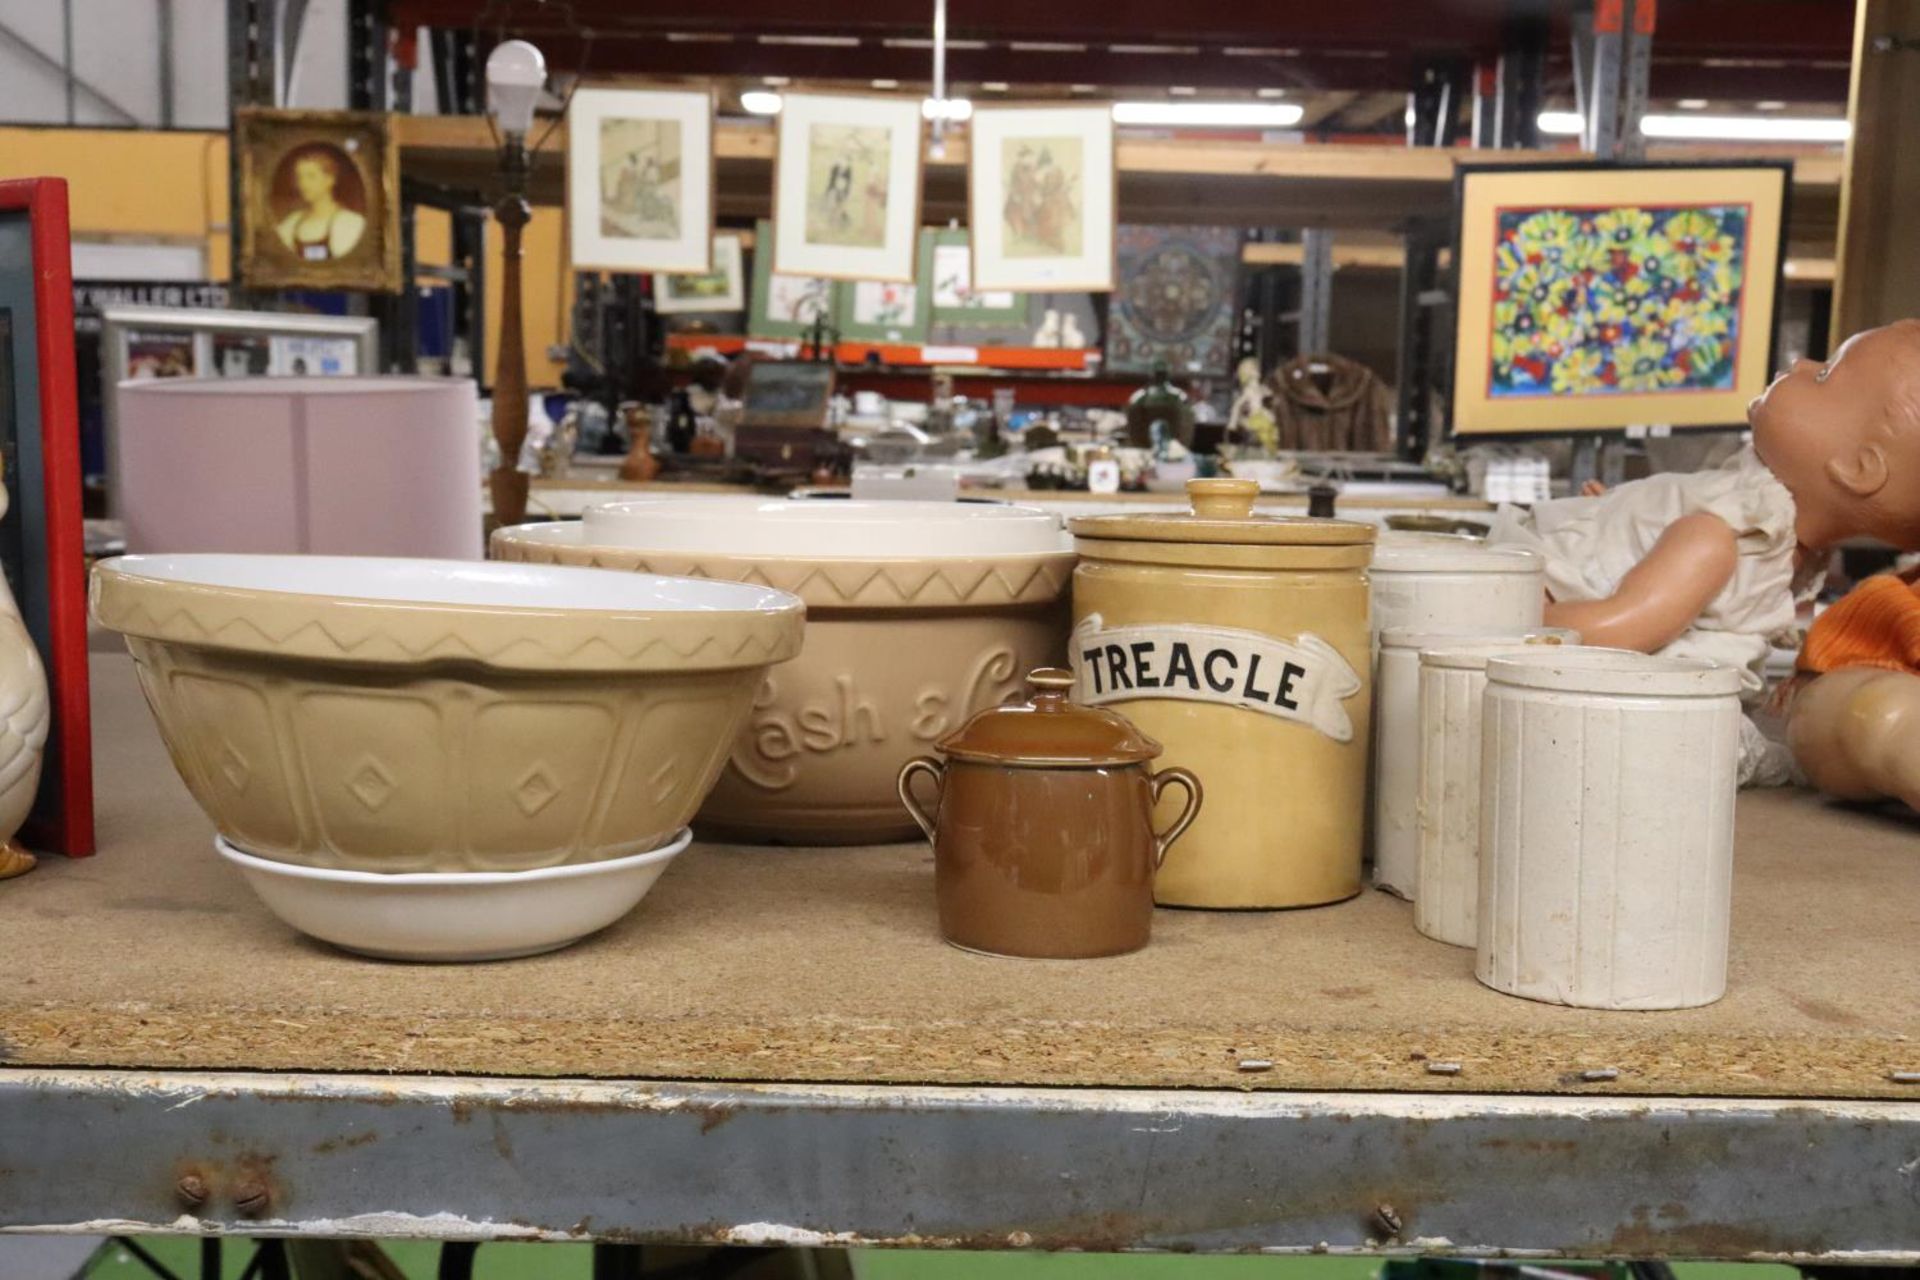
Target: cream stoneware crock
{"points": [[918, 615], [1240, 642], [442, 716]]}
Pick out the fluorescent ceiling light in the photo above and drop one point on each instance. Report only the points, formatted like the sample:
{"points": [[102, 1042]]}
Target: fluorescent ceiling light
{"points": [[1692, 104], [1747, 128], [886, 84], [948, 109], [760, 103], [1697, 128], [1213, 115], [1772, 104], [1269, 93], [995, 86]]}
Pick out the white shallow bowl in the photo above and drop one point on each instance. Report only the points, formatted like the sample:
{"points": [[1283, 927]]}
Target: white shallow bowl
{"points": [[454, 916]]}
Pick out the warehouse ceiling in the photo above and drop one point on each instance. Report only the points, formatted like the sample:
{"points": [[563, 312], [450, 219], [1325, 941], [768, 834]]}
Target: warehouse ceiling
{"points": [[1349, 62]]}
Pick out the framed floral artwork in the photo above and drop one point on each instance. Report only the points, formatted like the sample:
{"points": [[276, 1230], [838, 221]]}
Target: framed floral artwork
{"points": [[640, 180], [846, 194], [722, 287], [886, 310], [1596, 297], [1041, 197], [955, 300], [785, 306], [319, 200]]}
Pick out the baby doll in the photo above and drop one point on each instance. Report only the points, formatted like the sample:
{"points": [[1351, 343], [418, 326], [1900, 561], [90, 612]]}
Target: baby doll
{"points": [[1706, 565], [1855, 729]]}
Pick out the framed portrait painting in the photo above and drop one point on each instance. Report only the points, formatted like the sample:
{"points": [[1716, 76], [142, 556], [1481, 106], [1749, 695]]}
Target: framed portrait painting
{"points": [[42, 543], [1040, 184], [720, 288], [786, 306], [1594, 297], [319, 199], [846, 196], [640, 180]]}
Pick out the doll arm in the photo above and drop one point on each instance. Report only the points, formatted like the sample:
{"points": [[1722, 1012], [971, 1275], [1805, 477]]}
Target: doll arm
{"points": [[1856, 734], [1660, 597]]}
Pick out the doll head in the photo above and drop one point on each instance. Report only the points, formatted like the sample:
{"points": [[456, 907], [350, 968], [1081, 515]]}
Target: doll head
{"points": [[1844, 438]]}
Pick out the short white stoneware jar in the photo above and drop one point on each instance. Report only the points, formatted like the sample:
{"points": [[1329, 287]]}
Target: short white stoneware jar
{"points": [[1453, 678], [1606, 828], [1396, 756]]}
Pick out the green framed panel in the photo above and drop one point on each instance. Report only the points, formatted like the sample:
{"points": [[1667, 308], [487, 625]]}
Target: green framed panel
{"points": [[954, 300], [784, 306], [880, 311]]}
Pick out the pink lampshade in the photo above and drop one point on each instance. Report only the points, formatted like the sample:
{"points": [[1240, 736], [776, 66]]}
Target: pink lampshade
{"points": [[385, 466]]}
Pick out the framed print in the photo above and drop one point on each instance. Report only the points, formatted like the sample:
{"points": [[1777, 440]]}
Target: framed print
{"points": [[785, 306], [719, 288], [955, 300], [1594, 297], [1040, 187], [640, 180], [885, 311], [42, 546], [319, 200], [1178, 300], [846, 187]]}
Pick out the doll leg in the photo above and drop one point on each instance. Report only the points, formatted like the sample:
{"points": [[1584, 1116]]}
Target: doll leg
{"points": [[1856, 734]]}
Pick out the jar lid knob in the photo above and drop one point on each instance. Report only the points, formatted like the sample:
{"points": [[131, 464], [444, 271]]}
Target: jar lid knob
{"points": [[1223, 499], [1050, 679]]}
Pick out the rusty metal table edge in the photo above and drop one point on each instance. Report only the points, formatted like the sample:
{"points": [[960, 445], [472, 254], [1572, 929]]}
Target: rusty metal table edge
{"points": [[946, 1167]]}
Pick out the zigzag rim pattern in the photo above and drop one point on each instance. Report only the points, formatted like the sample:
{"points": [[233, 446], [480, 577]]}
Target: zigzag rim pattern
{"points": [[846, 584]]}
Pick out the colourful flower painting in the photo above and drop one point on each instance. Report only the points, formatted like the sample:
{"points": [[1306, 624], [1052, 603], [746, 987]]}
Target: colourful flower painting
{"points": [[1610, 300]]}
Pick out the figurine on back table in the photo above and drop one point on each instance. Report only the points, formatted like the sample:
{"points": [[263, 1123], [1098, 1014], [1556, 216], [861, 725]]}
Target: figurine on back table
{"points": [[1708, 565]]}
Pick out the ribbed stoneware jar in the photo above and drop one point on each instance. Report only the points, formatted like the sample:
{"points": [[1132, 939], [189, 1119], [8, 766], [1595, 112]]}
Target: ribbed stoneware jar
{"points": [[1606, 828], [1396, 747], [1446, 801], [1241, 643]]}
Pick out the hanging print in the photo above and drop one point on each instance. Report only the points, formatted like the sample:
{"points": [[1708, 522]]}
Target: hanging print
{"points": [[1041, 198], [640, 180], [847, 187]]}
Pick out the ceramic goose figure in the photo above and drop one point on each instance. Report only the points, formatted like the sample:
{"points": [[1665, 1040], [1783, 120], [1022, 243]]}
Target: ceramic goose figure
{"points": [[25, 715]]}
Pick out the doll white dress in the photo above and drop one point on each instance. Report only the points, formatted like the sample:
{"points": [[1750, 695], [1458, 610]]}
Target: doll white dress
{"points": [[1590, 544]]}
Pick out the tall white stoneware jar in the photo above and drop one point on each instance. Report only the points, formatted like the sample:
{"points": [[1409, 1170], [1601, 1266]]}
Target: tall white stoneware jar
{"points": [[1606, 828], [1453, 677], [1438, 582], [1395, 809]]}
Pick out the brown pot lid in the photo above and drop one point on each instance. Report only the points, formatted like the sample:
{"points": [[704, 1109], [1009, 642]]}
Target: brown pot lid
{"points": [[1048, 731], [1222, 512]]}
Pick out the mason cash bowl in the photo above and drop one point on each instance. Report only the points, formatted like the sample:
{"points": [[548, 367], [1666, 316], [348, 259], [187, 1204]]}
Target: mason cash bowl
{"points": [[382, 715], [918, 615]]}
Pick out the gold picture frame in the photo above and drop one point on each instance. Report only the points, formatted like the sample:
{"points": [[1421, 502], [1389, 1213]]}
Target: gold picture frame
{"points": [[319, 200], [1599, 297]]}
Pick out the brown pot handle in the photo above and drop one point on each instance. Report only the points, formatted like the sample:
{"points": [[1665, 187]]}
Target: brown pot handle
{"points": [[934, 769], [1191, 785]]}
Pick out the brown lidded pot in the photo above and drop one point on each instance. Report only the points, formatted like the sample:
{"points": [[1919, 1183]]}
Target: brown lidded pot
{"points": [[1043, 839]]}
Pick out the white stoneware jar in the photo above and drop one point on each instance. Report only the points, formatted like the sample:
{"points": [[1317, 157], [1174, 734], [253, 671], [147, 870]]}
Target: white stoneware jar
{"points": [[1440, 582], [1453, 678], [1606, 828], [1396, 782]]}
